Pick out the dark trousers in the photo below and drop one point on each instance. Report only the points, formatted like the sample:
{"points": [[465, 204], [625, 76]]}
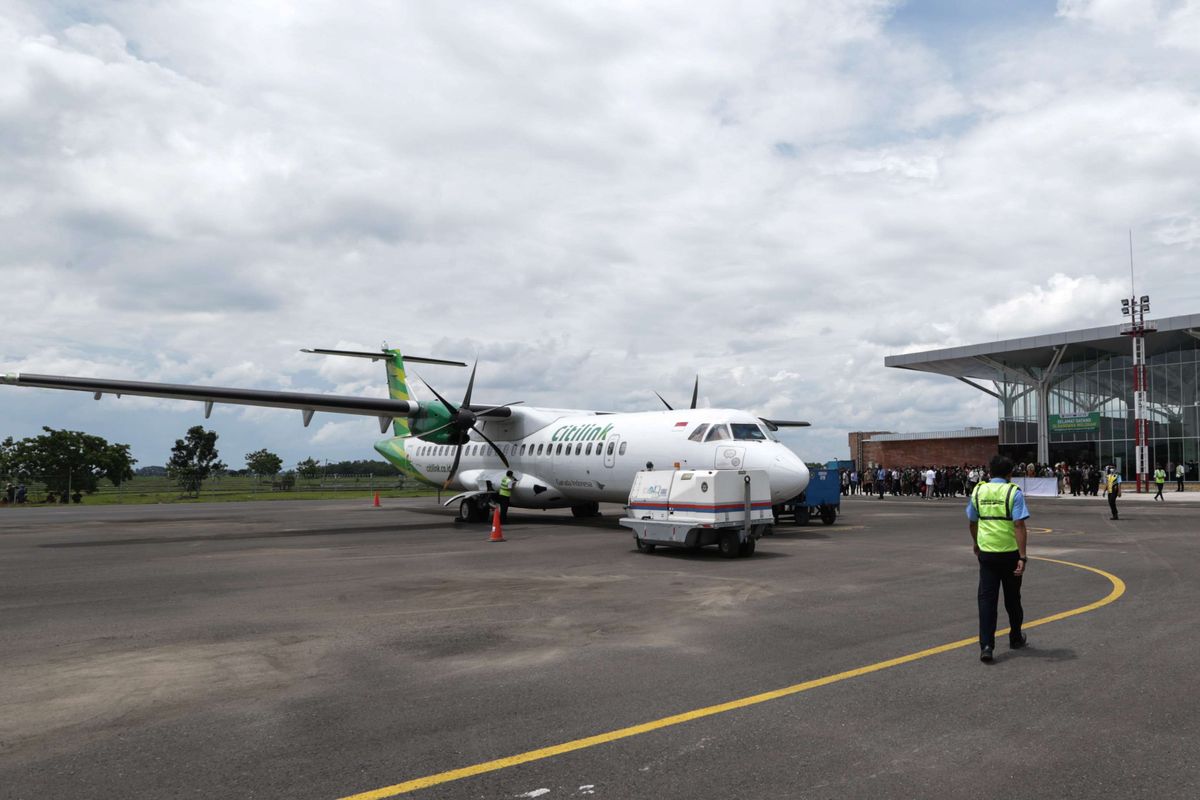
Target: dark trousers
{"points": [[1179, 484], [996, 570], [1158, 494], [503, 509], [1112, 503]]}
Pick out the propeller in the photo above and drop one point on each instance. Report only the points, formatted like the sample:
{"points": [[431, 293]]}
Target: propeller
{"points": [[695, 394], [462, 422], [772, 424]]}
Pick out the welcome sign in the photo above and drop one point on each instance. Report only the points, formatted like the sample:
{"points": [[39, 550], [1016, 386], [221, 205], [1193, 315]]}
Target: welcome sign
{"points": [[1066, 423]]}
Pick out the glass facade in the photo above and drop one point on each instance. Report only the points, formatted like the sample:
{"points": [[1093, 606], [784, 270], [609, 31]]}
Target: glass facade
{"points": [[1100, 384]]}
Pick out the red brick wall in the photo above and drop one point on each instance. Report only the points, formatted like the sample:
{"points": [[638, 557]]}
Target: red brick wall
{"points": [[863, 453], [936, 452]]}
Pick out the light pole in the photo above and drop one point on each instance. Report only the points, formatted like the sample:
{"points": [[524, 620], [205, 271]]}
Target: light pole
{"points": [[1136, 329]]}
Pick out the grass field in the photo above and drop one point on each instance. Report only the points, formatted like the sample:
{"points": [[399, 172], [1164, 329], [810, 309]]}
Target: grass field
{"points": [[238, 489]]}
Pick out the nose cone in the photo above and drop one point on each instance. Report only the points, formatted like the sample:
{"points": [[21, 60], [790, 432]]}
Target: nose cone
{"points": [[789, 476]]}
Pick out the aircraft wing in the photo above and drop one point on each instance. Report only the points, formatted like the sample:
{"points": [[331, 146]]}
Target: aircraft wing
{"points": [[307, 403]]}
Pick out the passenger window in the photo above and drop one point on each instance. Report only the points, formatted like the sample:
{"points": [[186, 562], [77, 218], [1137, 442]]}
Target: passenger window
{"points": [[578, 448], [610, 448], [588, 452], [522, 449], [698, 434], [717, 433], [539, 452], [622, 450], [558, 450]]}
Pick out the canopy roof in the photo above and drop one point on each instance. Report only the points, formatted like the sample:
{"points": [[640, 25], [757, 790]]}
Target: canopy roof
{"points": [[1024, 359]]}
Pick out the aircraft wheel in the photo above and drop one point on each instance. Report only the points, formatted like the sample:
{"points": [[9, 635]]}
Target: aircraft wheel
{"points": [[746, 548], [466, 510], [729, 544], [585, 510]]}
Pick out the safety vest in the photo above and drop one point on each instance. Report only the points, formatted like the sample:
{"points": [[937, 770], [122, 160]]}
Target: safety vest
{"points": [[994, 504], [1110, 483], [506, 484], [1160, 476]]}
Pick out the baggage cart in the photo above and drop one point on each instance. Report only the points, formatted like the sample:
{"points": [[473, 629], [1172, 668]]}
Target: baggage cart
{"points": [[822, 498]]}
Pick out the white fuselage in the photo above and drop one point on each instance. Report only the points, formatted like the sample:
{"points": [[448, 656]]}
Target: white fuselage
{"points": [[566, 458]]}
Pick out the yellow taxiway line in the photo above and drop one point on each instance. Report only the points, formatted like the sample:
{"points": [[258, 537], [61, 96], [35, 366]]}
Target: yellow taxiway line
{"points": [[1118, 589]]}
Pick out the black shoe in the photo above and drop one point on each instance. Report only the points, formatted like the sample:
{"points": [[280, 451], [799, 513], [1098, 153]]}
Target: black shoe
{"points": [[985, 655], [1018, 641]]}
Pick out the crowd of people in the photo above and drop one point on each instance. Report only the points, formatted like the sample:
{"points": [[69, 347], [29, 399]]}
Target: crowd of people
{"points": [[929, 482], [932, 482]]}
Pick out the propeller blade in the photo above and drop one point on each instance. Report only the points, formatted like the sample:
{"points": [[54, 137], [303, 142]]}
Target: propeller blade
{"points": [[487, 411], [664, 402], [695, 390], [428, 433], [453, 467], [499, 452], [470, 385], [449, 406]]}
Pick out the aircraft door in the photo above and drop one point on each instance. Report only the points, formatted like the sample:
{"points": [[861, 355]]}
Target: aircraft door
{"points": [[729, 457], [610, 451]]}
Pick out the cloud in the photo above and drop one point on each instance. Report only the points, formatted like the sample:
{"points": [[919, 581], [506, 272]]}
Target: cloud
{"points": [[595, 202]]}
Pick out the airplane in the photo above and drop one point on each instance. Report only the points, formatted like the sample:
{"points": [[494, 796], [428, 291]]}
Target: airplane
{"points": [[562, 458]]}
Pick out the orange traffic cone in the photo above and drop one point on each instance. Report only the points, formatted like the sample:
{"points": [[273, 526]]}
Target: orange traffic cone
{"points": [[376, 500], [497, 532]]}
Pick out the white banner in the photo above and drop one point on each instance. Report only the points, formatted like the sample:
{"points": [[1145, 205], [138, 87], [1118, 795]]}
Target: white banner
{"points": [[1038, 487]]}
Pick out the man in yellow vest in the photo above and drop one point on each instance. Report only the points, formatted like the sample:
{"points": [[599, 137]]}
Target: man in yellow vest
{"points": [[1112, 488], [506, 486], [1160, 480], [996, 515]]}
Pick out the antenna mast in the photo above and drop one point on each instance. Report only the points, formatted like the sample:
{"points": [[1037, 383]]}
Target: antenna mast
{"points": [[1136, 329]]}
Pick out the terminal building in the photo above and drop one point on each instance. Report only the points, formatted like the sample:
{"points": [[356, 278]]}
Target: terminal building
{"points": [[1069, 396]]}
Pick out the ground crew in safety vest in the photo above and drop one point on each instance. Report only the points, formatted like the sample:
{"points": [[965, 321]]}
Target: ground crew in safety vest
{"points": [[1160, 480], [996, 515], [1112, 488], [506, 486]]}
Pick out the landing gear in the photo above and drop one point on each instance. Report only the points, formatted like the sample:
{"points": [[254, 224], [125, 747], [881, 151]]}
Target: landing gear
{"points": [[473, 509], [585, 510]]}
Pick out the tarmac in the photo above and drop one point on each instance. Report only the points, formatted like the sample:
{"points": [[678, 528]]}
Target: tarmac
{"points": [[330, 649]]}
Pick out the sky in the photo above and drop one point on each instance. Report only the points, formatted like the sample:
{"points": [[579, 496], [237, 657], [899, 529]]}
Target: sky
{"points": [[595, 200]]}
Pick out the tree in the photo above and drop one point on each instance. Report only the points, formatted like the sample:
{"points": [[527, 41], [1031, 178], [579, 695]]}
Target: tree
{"points": [[309, 468], [264, 462], [193, 459], [68, 460]]}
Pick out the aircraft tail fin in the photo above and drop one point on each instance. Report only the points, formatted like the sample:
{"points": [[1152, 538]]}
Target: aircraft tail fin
{"points": [[397, 380]]}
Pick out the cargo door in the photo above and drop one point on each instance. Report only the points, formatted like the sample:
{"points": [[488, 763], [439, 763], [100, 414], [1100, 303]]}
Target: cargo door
{"points": [[730, 457]]}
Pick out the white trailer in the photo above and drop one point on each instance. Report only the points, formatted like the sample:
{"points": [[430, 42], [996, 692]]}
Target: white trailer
{"points": [[694, 508]]}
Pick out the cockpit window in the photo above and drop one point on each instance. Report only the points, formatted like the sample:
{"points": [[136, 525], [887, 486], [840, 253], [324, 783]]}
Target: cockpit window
{"points": [[698, 434], [748, 431], [717, 433]]}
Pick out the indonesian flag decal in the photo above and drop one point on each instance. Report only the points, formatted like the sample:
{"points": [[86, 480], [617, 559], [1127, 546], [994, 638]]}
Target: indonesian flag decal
{"points": [[680, 424]]}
